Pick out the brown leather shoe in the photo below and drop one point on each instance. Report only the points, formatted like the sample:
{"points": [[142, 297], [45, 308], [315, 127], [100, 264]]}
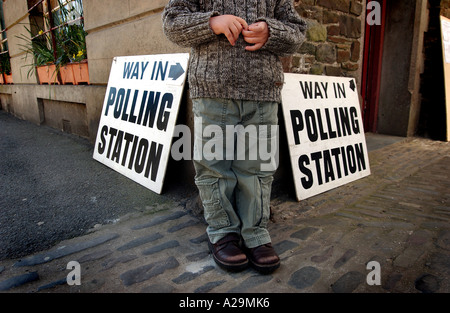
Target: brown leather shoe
{"points": [[228, 254], [264, 258]]}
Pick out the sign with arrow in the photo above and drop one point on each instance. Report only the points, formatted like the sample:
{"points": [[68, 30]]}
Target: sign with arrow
{"points": [[139, 114], [327, 145]]}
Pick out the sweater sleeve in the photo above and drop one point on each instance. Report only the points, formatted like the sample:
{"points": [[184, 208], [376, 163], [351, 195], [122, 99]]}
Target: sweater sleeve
{"points": [[185, 25], [287, 30]]}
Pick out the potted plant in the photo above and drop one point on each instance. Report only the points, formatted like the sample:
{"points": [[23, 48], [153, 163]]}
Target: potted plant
{"points": [[5, 68], [60, 56], [71, 37]]}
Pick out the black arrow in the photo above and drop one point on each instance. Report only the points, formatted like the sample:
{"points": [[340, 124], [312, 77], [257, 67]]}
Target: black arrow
{"points": [[352, 85], [176, 71]]}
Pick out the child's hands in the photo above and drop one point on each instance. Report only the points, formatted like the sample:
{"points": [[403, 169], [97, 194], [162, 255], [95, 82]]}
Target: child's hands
{"points": [[229, 25], [256, 34]]}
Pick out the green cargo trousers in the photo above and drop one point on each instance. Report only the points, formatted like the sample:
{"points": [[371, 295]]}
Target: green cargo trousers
{"points": [[235, 158]]}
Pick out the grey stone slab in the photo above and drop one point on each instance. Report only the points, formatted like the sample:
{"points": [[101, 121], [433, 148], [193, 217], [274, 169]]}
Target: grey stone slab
{"points": [[251, 282], [324, 256], [96, 255], [140, 241], [160, 220], [158, 288], [285, 245], [182, 226], [197, 256], [53, 284], [65, 250], [304, 233], [391, 281], [121, 259], [148, 271], [188, 276], [209, 286], [200, 239], [344, 258], [348, 282], [17, 281], [304, 277], [427, 283], [161, 247]]}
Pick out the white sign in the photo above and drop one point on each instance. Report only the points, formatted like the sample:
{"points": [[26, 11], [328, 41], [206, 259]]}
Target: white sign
{"points": [[445, 31], [325, 132], [139, 115], [445, 26]]}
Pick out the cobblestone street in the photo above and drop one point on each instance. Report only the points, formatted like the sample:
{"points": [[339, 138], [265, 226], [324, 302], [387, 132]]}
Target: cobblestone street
{"points": [[398, 216]]}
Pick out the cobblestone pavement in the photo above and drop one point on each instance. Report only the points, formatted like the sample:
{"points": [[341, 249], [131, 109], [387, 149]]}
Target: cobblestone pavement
{"points": [[398, 216]]}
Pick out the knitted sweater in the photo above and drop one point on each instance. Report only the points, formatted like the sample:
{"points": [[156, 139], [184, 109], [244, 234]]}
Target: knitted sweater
{"points": [[219, 70]]}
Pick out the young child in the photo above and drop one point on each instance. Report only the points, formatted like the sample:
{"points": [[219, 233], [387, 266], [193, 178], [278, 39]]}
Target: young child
{"points": [[235, 78]]}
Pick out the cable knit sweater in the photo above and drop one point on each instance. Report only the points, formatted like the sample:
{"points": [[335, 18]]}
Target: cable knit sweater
{"points": [[219, 70]]}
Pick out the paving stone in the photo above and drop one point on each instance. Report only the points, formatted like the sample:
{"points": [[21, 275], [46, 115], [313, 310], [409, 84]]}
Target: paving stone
{"points": [[409, 256], [419, 237], [160, 220], [161, 247], [427, 283], [308, 249], [440, 262], [304, 233], [121, 259], [197, 256], [148, 271], [158, 288], [182, 225], [17, 281], [344, 259], [443, 240], [90, 286], [96, 255], [304, 277], [251, 282], [188, 276], [391, 281], [65, 250], [285, 245], [324, 256], [140, 241], [209, 286], [348, 282], [53, 284], [200, 239]]}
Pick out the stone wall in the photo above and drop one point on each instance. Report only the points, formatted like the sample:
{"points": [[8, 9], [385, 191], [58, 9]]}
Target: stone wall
{"points": [[445, 8], [334, 39]]}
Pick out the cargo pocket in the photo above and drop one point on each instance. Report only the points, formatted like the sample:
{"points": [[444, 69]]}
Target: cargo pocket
{"points": [[263, 212], [215, 214]]}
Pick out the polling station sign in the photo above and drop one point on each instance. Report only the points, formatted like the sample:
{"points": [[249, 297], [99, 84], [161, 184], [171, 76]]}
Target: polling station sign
{"points": [[325, 132], [139, 115]]}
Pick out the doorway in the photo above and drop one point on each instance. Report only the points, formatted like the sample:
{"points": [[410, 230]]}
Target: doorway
{"points": [[371, 72]]}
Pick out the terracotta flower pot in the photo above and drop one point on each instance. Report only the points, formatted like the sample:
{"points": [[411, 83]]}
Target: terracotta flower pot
{"points": [[8, 79], [80, 72], [47, 74], [67, 76], [72, 73]]}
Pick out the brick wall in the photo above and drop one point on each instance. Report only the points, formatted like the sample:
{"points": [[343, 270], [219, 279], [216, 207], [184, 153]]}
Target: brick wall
{"points": [[334, 38]]}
